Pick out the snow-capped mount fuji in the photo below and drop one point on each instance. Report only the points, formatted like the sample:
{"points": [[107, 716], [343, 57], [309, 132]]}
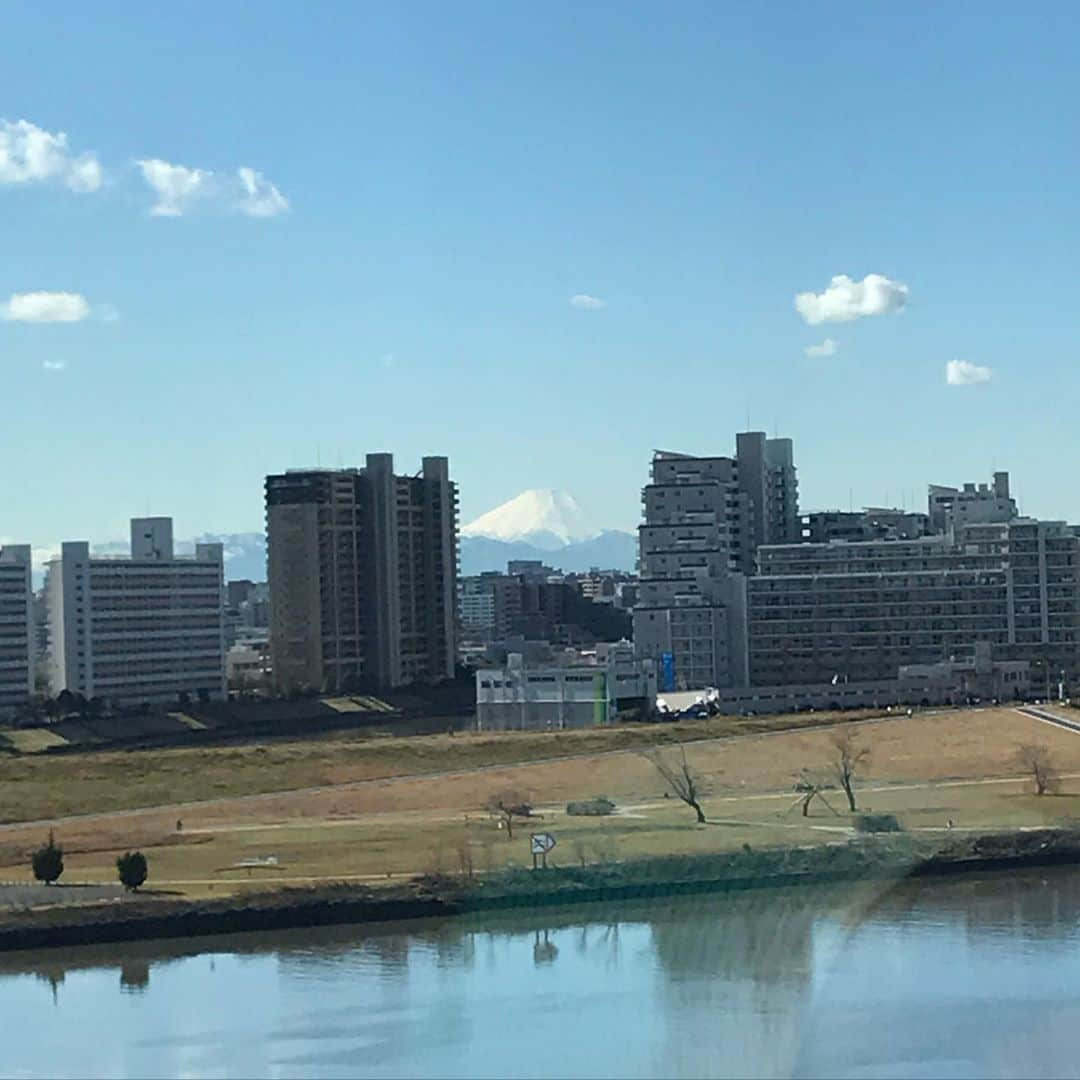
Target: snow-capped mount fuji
{"points": [[546, 525], [542, 517]]}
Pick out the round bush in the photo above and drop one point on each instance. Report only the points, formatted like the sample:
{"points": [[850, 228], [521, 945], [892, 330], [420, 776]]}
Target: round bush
{"points": [[598, 807], [874, 823]]}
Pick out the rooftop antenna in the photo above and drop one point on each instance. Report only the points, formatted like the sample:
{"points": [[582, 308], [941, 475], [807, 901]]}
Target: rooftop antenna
{"points": [[318, 455]]}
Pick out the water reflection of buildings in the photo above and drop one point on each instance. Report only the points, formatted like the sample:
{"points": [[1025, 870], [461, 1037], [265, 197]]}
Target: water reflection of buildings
{"points": [[730, 982], [734, 972], [1032, 904], [135, 974]]}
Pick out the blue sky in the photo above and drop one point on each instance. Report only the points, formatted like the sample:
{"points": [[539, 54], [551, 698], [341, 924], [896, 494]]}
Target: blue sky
{"points": [[455, 173]]}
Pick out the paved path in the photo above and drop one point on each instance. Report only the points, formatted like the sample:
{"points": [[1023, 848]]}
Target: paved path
{"points": [[1049, 716], [18, 895]]}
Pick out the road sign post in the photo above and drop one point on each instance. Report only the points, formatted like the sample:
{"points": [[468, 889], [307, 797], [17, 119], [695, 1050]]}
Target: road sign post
{"points": [[540, 844]]}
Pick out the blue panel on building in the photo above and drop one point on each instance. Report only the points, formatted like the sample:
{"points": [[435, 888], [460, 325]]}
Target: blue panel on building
{"points": [[667, 671]]}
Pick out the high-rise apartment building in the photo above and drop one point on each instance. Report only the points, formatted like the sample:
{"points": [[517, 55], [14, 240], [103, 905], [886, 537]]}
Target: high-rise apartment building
{"points": [[146, 628], [17, 647], [705, 518], [859, 610], [766, 476], [362, 572], [688, 619]]}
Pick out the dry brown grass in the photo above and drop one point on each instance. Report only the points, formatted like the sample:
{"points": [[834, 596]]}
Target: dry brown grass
{"points": [[46, 786], [929, 769]]}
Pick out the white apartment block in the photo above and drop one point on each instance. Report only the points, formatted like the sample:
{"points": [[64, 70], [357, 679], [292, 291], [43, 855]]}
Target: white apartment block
{"points": [[140, 629], [16, 628]]}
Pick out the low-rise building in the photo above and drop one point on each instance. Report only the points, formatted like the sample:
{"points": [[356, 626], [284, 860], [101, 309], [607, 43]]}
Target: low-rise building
{"points": [[550, 695], [146, 628], [247, 665], [17, 645]]}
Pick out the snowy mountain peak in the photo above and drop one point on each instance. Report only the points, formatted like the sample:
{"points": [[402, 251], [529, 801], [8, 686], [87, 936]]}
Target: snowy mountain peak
{"points": [[545, 518]]}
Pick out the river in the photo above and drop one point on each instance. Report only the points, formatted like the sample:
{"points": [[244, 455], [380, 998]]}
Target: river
{"points": [[965, 977]]}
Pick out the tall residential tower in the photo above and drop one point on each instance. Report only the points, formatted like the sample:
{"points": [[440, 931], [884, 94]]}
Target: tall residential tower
{"points": [[705, 518], [16, 628], [363, 575]]}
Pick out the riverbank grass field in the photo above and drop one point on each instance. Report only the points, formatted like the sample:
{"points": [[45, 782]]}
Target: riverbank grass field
{"points": [[936, 772], [36, 786]]}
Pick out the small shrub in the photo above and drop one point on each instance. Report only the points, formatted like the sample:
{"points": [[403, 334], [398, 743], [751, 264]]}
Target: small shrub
{"points": [[48, 861], [875, 823], [131, 868], [598, 807]]}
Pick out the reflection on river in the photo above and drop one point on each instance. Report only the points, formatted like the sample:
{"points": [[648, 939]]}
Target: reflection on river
{"points": [[966, 977]]}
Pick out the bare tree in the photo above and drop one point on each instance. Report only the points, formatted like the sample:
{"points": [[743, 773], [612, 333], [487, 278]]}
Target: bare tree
{"points": [[507, 805], [681, 780], [808, 789], [846, 763], [1035, 760]]}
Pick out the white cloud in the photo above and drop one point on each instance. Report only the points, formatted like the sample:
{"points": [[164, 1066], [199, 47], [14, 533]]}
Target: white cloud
{"points": [[29, 154], [585, 302], [45, 307], [846, 299], [54, 365], [827, 348], [260, 197], [965, 373], [176, 186], [85, 174]]}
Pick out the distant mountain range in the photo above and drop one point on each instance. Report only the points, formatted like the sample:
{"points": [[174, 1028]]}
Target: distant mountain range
{"points": [[245, 554], [546, 525], [537, 524]]}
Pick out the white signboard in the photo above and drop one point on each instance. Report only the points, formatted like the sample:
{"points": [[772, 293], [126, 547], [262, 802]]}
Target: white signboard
{"points": [[542, 843]]}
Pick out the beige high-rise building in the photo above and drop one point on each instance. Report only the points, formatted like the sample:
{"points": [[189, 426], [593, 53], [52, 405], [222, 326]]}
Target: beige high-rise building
{"points": [[362, 567]]}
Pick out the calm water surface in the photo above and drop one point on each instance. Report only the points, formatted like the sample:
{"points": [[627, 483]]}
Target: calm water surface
{"points": [[963, 978]]}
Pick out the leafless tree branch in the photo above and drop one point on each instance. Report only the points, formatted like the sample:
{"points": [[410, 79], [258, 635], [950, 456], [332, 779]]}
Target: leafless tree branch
{"points": [[682, 781]]}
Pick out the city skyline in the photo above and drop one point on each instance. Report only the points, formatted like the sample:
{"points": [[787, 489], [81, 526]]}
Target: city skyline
{"points": [[402, 234]]}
